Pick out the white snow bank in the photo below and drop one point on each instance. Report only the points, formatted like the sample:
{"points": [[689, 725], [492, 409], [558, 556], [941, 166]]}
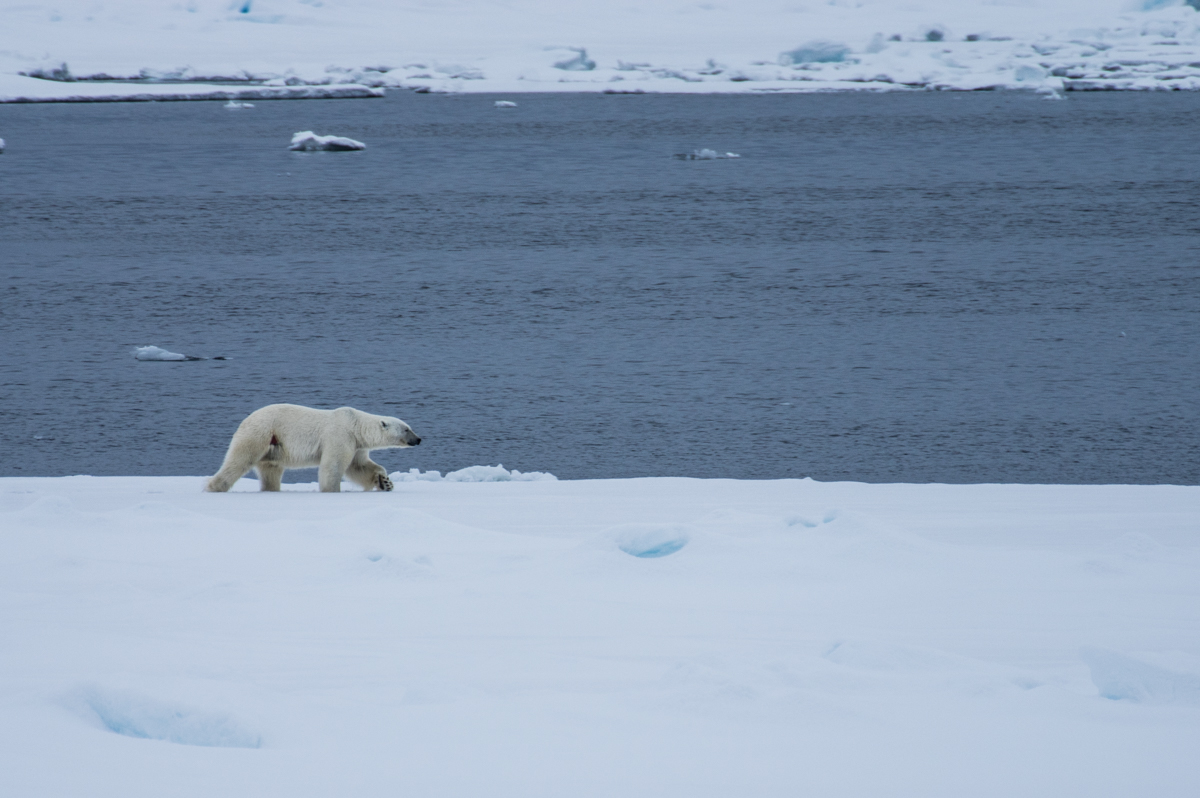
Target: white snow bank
{"points": [[496, 473], [641, 637], [307, 141], [652, 46]]}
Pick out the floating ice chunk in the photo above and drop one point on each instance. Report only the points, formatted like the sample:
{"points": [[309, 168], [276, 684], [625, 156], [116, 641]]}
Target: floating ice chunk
{"points": [[505, 104], [496, 473], [307, 141], [815, 52], [234, 105], [1, 145], [155, 353], [706, 155], [138, 716]]}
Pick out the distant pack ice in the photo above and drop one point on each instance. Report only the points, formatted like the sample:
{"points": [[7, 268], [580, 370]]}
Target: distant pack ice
{"points": [[306, 48]]}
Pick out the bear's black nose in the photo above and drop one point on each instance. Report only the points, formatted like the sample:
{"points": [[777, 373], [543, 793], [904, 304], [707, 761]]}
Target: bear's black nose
{"points": [[414, 441]]}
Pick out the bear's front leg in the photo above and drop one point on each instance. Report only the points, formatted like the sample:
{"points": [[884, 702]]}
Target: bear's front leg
{"points": [[368, 473]]}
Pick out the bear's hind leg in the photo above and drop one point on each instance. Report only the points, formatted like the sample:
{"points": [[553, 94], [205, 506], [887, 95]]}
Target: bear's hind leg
{"points": [[368, 473], [241, 457], [231, 471], [270, 475], [334, 463]]}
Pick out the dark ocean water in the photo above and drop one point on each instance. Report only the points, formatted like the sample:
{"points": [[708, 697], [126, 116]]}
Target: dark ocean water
{"points": [[919, 287]]}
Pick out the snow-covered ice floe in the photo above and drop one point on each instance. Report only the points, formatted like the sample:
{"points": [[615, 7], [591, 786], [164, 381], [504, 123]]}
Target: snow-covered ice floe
{"points": [[156, 353], [307, 141], [676, 637], [505, 104], [706, 155], [297, 48], [234, 105]]}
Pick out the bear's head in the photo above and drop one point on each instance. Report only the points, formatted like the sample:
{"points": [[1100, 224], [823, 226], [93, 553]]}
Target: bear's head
{"points": [[396, 433]]}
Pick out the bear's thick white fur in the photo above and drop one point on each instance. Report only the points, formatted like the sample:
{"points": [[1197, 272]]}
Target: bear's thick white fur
{"points": [[278, 437]]}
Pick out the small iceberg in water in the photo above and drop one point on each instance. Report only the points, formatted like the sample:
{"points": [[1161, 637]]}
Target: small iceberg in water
{"points": [[705, 155], [307, 141], [234, 105], [157, 353], [505, 104]]}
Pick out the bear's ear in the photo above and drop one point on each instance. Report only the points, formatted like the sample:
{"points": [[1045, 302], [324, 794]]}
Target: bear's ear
{"points": [[384, 423]]}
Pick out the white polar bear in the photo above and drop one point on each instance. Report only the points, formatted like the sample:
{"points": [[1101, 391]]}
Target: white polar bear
{"points": [[290, 436]]}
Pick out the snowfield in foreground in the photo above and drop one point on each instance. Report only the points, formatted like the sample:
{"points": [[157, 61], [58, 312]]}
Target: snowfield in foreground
{"points": [[297, 48], [648, 637]]}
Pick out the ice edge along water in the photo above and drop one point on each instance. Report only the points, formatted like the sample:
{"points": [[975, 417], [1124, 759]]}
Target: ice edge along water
{"points": [[1060, 46], [643, 636]]}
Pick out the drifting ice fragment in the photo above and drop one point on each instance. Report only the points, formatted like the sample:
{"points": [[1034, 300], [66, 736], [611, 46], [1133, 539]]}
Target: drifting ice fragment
{"points": [[156, 353], [307, 141], [705, 155], [505, 104], [1, 145], [234, 105]]}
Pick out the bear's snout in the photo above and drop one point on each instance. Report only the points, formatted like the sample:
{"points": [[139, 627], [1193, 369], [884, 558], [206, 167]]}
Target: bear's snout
{"points": [[411, 439]]}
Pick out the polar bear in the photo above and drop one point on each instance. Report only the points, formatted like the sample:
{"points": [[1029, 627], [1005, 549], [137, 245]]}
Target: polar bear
{"points": [[276, 437]]}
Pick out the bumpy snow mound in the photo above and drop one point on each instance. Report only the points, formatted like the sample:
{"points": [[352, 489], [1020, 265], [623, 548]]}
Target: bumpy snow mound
{"points": [[134, 715], [1123, 678], [649, 541], [496, 473], [156, 353], [818, 52], [307, 141]]}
